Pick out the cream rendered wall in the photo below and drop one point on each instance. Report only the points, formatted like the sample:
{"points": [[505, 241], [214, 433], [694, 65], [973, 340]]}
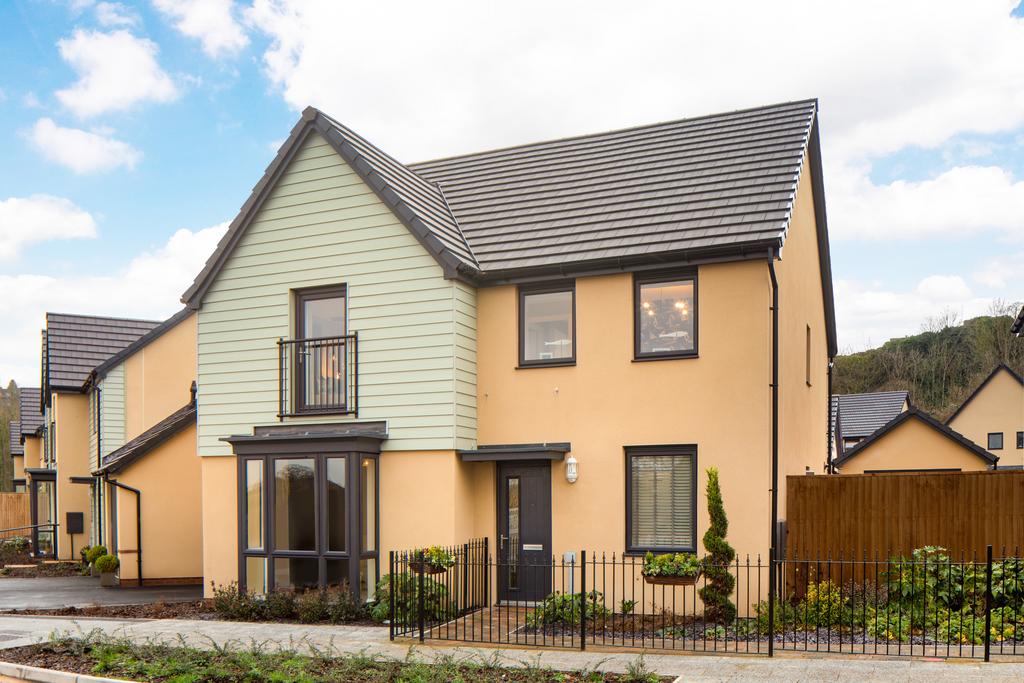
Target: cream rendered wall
{"points": [[719, 401], [322, 225], [71, 413], [33, 452], [803, 405], [913, 445], [220, 521], [998, 407], [158, 377], [170, 480]]}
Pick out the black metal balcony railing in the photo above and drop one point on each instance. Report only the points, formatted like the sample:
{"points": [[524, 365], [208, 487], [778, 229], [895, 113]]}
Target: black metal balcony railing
{"points": [[318, 376]]}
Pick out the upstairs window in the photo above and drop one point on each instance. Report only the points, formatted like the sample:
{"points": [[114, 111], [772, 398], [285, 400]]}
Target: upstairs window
{"points": [[995, 441], [547, 325], [322, 352], [665, 316]]}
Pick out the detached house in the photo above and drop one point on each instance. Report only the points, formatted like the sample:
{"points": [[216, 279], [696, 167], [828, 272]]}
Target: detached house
{"points": [[545, 345], [855, 417], [993, 416], [17, 451], [61, 486]]}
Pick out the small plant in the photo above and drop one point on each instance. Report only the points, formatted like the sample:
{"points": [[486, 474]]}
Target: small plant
{"points": [[671, 564], [436, 605], [563, 609], [627, 606], [823, 605], [95, 552], [437, 557], [107, 564], [234, 604], [310, 606], [342, 605], [82, 552], [718, 606], [637, 672], [277, 605]]}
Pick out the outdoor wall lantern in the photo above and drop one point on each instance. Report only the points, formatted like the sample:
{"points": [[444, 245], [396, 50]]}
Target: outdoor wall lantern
{"points": [[571, 469]]}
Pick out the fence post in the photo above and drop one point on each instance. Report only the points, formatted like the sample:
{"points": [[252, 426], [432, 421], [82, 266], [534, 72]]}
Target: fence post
{"points": [[465, 576], [771, 602], [988, 602], [391, 595], [583, 599], [487, 573], [421, 585]]}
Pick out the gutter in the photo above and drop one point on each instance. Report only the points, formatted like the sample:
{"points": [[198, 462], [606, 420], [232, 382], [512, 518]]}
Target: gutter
{"points": [[775, 449], [138, 518]]}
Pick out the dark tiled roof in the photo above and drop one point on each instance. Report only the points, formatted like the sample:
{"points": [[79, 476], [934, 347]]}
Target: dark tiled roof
{"points": [[861, 415], [29, 410], [727, 179], [1018, 325], [915, 413], [75, 344], [149, 439], [15, 434]]}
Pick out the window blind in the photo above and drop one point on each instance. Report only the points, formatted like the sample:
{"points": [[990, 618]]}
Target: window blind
{"points": [[662, 505]]}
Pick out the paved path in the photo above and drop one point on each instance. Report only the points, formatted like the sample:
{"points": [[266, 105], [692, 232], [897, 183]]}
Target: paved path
{"points": [[23, 630], [83, 591]]}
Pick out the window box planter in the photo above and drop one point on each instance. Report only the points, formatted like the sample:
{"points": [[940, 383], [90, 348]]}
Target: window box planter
{"points": [[426, 567], [662, 580], [672, 569], [432, 560]]}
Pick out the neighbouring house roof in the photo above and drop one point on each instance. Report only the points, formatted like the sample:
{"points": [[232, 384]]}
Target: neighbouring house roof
{"points": [[75, 344], [117, 460], [999, 368], [101, 370], [916, 414], [29, 411], [15, 438], [1018, 325], [718, 187], [860, 415]]}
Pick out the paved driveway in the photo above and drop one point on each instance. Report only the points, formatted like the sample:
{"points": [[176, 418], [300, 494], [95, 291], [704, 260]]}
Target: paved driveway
{"points": [[83, 591]]}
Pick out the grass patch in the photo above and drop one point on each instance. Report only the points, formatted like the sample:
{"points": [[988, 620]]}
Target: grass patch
{"points": [[100, 654]]}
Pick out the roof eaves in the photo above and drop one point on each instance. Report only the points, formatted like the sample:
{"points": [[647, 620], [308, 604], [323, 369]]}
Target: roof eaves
{"points": [[148, 440], [1017, 327], [103, 368]]}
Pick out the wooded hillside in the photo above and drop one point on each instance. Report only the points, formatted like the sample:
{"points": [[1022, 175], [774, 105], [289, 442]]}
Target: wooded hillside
{"points": [[939, 366], [9, 410]]}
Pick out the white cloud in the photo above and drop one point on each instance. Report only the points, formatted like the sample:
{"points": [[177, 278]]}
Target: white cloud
{"points": [[958, 202], [116, 70], [79, 150], [868, 313], [212, 22], [39, 218], [148, 287], [31, 101], [114, 14], [1002, 271]]}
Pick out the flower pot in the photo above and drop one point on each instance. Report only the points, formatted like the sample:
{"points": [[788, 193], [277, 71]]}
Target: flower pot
{"points": [[108, 579], [672, 580], [426, 568], [92, 570]]}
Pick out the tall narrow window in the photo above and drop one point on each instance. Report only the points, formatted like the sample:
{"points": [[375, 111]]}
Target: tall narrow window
{"points": [[661, 490], [254, 504], [665, 316], [807, 358], [294, 505], [321, 349], [1020, 439], [547, 325]]}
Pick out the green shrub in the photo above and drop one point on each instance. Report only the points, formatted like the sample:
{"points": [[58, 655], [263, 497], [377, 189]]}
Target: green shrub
{"points": [[563, 609], [82, 552], [436, 556], [107, 564], [342, 606], [824, 606], [310, 606], [786, 617], [718, 606], [234, 604], [436, 605], [671, 564], [95, 553], [277, 605]]}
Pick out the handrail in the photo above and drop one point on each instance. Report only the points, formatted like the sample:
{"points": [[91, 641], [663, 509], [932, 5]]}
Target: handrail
{"points": [[30, 526]]}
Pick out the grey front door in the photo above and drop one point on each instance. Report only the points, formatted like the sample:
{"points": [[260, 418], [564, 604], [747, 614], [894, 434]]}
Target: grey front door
{"points": [[524, 531]]}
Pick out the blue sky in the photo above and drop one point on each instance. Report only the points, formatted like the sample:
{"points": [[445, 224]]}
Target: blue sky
{"points": [[131, 132]]}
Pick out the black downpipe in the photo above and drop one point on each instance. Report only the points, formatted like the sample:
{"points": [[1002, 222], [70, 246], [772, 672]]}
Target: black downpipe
{"points": [[138, 520], [775, 453], [829, 467]]}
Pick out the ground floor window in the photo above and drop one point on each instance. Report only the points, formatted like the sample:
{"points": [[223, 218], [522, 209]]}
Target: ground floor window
{"points": [[308, 520], [661, 498], [44, 514]]}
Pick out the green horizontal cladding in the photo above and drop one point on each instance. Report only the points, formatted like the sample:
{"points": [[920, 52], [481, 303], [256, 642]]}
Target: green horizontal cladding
{"points": [[321, 225], [111, 422]]}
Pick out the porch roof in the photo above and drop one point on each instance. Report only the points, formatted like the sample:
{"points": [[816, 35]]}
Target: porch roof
{"points": [[522, 451]]}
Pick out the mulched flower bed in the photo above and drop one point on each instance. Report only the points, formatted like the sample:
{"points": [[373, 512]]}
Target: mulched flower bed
{"points": [[41, 569], [122, 659]]}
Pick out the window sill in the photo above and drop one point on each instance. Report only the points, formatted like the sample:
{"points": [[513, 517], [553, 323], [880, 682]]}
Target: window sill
{"points": [[657, 551], [559, 364], [675, 356]]}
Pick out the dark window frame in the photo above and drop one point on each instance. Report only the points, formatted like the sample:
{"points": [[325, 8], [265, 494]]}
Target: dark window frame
{"points": [[297, 382], [315, 294], [989, 441], [321, 553], [668, 450], [1020, 439], [640, 279], [524, 291]]}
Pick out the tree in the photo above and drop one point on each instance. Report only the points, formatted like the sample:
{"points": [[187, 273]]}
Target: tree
{"points": [[718, 607]]}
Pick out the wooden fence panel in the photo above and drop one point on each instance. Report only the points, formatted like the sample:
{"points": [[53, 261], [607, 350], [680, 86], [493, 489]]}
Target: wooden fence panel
{"points": [[14, 512], [858, 515]]}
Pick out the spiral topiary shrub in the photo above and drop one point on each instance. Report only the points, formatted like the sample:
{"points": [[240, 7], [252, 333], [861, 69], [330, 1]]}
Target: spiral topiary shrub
{"points": [[719, 581]]}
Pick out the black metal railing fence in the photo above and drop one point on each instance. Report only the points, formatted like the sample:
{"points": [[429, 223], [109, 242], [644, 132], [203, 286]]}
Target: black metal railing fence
{"points": [[318, 376], [927, 604]]}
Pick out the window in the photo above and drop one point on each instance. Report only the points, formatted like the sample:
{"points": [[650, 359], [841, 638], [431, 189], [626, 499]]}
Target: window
{"points": [[547, 325], [1020, 439], [665, 316], [995, 441], [661, 499], [299, 519], [320, 350]]}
